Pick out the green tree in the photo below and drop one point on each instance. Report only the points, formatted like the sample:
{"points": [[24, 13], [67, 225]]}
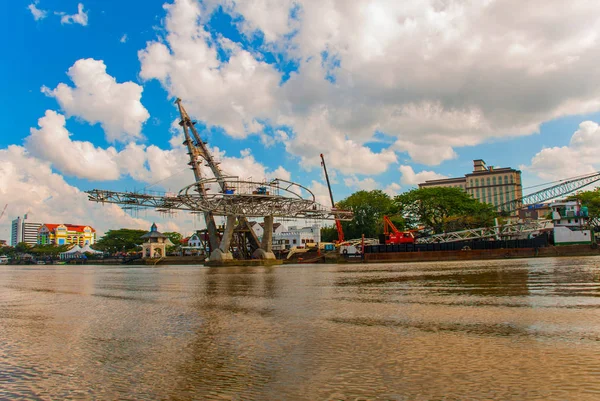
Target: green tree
{"points": [[122, 240], [444, 209], [49, 250], [368, 207], [591, 199], [329, 234], [22, 247], [176, 240]]}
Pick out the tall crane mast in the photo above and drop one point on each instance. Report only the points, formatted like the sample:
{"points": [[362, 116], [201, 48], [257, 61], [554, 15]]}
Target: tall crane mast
{"points": [[338, 224], [197, 149]]}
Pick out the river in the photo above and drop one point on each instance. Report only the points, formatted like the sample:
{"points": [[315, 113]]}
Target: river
{"points": [[524, 329]]}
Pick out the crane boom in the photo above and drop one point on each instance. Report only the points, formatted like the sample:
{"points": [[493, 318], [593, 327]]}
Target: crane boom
{"points": [[3, 211], [338, 224], [555, 191]]}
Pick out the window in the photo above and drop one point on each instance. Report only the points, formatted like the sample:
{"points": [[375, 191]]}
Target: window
{"points": [[488, 180], [505, 179], [294, 241], [476, 182], [494, 180]]}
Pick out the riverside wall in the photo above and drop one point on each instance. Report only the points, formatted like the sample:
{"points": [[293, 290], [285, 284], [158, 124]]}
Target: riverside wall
{"points": [[482, 254]]}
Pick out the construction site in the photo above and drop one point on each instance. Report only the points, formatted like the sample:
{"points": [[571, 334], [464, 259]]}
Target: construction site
{"points": [[237, 201]]}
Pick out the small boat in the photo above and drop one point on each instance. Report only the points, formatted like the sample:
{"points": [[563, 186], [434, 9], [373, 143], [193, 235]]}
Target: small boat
{"points": [[41, 262]]}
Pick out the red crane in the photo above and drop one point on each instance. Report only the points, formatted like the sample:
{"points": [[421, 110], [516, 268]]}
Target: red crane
{"points": [[338, 224], [395, 236]]}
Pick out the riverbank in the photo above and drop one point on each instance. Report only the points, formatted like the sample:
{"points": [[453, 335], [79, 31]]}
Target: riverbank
{"points": [[482, 254]]}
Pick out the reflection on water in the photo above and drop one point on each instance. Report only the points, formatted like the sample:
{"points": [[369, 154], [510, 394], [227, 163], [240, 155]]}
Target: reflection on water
{"points": [[519, 329]]}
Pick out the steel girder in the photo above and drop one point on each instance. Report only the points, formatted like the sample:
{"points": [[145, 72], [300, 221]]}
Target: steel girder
{"points": [[505, 231], [555, 191], [224, 205]]}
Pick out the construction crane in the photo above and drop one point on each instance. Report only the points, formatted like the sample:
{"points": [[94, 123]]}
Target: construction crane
{"points": [[3, 211], [395, 236], [197, 150], [338, 224], [562, 188]]}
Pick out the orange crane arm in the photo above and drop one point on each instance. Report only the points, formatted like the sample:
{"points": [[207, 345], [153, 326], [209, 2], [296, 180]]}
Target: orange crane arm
{"points": [[387, 225]]}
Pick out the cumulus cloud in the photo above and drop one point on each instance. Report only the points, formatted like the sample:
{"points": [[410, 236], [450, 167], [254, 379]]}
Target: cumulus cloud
{"points": [[409, 177], [321, 193], [434, 75], [36, 12], [366, 184], [123, 38], [98, 98], [52, 142], [392, 189], [80, 18], [245, 92], [165, 168], [28, 185], [579, 157], [246, 167]]}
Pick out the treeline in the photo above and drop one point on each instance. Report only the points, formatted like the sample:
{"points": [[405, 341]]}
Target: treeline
{"points": [[437, 209]]}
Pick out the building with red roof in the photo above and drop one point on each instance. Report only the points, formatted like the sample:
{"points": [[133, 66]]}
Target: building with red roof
{"points": [[66, 234]]}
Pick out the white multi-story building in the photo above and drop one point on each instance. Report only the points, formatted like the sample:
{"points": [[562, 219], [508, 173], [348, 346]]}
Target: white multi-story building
{"points": [[23, 231], [259, 229], [570, 223], [297, 237]]}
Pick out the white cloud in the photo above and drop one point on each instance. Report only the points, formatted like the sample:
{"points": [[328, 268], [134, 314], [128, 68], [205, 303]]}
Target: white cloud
{"points": [[366, 184], [28, 185], [434, 75], [245, 91], [393, 189], [123, 38], [280, 173], [239, 91], [409, 177], [321, 193], [52, 142], [246, 167], [579, 157], [426, 153], [36, 12], [80, 18], [98, 98]]}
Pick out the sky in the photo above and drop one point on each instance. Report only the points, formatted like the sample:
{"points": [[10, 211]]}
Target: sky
{"points": [[392, 93]]}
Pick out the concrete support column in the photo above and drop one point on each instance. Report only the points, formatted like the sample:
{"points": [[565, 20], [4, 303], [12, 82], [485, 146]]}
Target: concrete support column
{"points": [[266, 246], [222, 252]]}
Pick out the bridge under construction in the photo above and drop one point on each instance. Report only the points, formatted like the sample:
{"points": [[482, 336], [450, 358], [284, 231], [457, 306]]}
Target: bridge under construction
{"points": [[230, 197]]}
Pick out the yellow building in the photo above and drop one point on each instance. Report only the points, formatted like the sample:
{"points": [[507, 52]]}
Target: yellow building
{"points": [[495, 186], [66, 234]]}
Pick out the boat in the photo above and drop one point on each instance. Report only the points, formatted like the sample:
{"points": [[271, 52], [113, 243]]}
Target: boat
{"points": [[3, 260]]}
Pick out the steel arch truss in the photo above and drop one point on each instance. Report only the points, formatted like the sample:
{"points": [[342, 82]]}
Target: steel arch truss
{"points": [[552, 192], [277, 198], [505, 232]]}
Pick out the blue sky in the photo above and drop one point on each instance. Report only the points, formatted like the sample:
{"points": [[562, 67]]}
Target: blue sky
{"points": [[391, 94]]}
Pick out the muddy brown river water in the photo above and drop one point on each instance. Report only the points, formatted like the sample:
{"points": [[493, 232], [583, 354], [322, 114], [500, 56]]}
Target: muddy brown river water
{"points": [[495, 330]]}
